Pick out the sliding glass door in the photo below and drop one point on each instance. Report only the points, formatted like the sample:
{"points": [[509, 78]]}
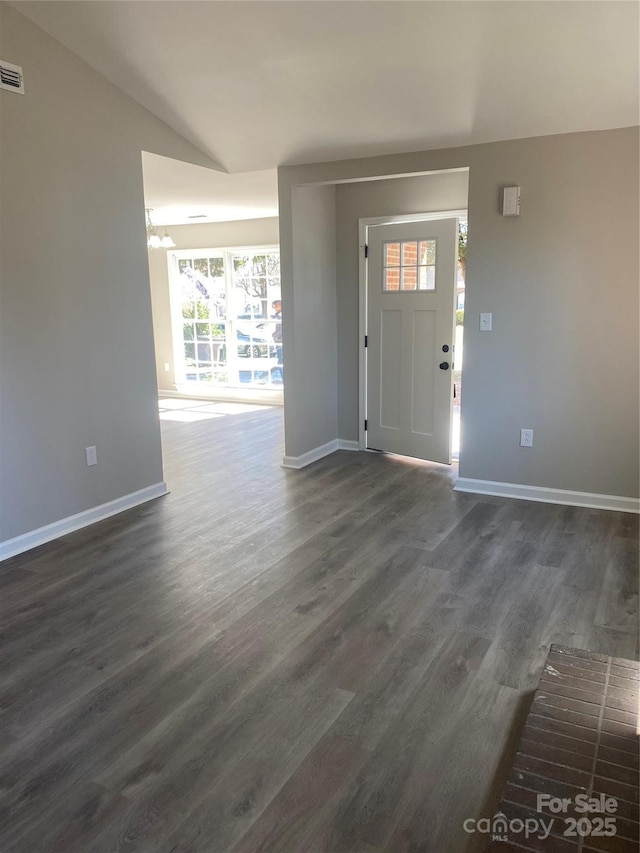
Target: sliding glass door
{"points": [[227, 317]]}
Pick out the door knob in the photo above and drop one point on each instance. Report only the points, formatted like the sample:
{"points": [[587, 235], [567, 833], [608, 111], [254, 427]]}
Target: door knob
{"points": [[444, 365]]}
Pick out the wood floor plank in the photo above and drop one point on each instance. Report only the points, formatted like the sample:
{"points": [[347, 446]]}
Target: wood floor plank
{"points": [[305, 804], [469, 756], [390, 774], [161, 622], [331, 660], [240, 796], [618, 594]]}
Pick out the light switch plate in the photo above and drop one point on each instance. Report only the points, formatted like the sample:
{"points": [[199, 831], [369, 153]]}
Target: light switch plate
{"points": [[526, 438], [486, 322]]}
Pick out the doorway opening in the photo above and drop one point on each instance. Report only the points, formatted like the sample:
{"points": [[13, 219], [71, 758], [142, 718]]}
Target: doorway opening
{"points": [[458, 345]]}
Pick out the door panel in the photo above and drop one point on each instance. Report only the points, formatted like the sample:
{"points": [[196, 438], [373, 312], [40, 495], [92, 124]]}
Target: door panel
{"points": [[390, 368], [410, 317], [422, 371]]}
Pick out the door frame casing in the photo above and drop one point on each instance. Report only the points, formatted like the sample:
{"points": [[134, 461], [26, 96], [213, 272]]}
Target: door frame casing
{"points": [[363, 228]]}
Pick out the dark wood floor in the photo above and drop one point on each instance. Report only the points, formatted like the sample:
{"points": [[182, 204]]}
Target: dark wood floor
{"points": [[334, 660]]}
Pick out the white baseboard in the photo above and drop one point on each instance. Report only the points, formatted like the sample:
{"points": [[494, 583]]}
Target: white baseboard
{"points": [[544, 495], [271, 397], [310, 456], [27, 541], [344, 444]]}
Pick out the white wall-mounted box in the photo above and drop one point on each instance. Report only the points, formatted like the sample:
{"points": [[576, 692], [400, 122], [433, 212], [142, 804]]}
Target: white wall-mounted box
{"points": [[511, 201]]}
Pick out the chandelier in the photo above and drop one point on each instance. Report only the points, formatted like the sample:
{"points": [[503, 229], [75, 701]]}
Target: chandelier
{"points": [[155, 240]]}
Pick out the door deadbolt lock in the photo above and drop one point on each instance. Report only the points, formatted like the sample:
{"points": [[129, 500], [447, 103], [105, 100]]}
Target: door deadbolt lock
{"points": [[445, 348]]}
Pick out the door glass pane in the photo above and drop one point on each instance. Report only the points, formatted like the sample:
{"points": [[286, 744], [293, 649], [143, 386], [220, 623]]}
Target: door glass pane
{"points": [[427, 278], [427, 252], [409, 278], [273, 266], [204, 354], [409, 253], [216, 267], [258, 319], [217, 331], [392, 254], [203, 299], [392, 279]]}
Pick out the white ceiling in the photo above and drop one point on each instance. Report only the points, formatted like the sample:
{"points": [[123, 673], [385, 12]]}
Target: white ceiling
{"points": [[259, 84], [177, 192]]}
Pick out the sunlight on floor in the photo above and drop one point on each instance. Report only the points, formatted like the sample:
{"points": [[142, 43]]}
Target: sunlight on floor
{"points": [[175, 403], [188, 411], [187, 417], [231, 408]]}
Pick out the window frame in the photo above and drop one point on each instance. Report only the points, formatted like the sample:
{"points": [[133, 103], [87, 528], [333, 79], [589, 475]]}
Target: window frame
{"points": [[201, 387], [401, 266]]}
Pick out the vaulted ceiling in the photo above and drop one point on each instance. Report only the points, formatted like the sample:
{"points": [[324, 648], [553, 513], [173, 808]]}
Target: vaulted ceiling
{"points": [[259, 84]]}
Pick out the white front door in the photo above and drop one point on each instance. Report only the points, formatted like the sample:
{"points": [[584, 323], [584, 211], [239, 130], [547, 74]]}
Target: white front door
{"points": [[411, 285]]}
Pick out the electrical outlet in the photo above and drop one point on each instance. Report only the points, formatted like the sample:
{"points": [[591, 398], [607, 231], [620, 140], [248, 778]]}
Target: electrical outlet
{"points": [[92, 456], [526, 438], [486, 322], [166, 367]]}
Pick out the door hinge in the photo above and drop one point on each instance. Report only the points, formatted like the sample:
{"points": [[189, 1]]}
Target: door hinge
{"points": [[366, 340], [365, 424], [366, 251]]}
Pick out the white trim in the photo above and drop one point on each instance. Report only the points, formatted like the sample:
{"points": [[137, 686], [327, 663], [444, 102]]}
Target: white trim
{"points": [[392, 176], [345, 444], [272, 397], [457, 213], [27, 541], [545, 495], [218, 251], [175, 311], [363, 226], [310, 456]]}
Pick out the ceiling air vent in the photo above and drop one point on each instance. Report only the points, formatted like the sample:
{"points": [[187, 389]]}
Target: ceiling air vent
{"points": [[11, 77]]}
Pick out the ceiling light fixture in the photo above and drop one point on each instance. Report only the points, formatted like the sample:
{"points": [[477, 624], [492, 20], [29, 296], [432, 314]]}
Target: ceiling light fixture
{"points": [[154, 240]]}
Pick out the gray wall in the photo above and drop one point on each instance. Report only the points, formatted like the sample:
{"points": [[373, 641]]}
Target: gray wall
{"points": [[309, 322], [212, 235], [76, 342], [562, 283], [424, 194]]}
